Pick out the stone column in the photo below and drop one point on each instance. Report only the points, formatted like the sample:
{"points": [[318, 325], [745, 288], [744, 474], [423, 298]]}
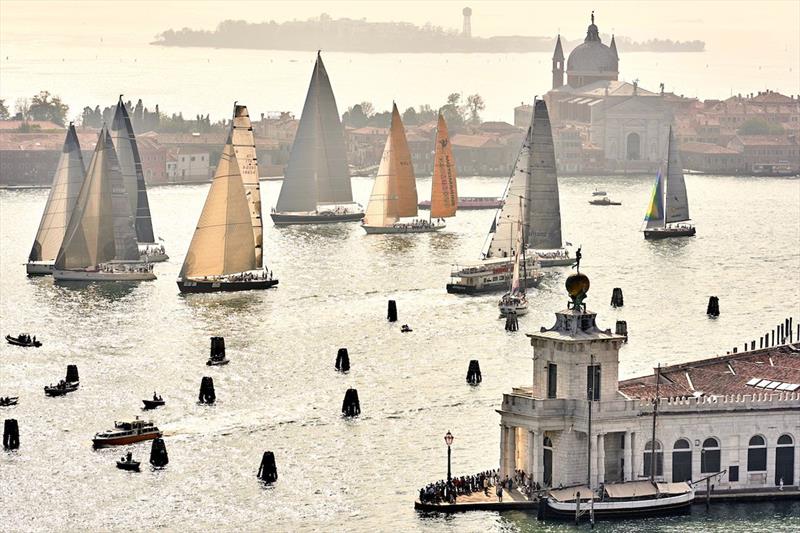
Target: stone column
{"points": [[529, 460], [628, 455], [538, 457], [503, 447], [512, 451], [601, 458], [593, 458]]}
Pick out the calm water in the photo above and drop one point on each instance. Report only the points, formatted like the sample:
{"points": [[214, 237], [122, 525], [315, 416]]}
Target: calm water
{"points": [[281, 393]]}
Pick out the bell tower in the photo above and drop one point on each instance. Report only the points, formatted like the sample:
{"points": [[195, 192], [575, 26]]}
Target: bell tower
{"points": [[558, 64]]}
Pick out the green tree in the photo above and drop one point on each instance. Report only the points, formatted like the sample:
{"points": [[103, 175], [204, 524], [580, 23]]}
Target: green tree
{"points": [[355, 116], [759, 126], [410, 117], [426, 114], [475, 104], [43, 106], [4, 114]]}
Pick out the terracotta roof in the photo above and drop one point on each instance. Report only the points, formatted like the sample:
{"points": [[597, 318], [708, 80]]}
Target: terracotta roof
{"points": [[718, 376], [40, 124], [43, 141], [369, 130], [706, 148], [473, 141], [765, 140]]}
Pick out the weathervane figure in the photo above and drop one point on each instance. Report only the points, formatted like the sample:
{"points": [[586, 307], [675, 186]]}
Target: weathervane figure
{"points": [[577, 264], [593, 16]]}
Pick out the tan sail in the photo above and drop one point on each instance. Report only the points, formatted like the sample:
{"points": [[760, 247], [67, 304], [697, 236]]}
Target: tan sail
{"points": [[89, 238], [444, 192], [394, 193], [244, 145], [61, 200], [223, 240]]}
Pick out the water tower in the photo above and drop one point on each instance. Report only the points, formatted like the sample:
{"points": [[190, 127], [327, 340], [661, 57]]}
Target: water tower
{"points": [[467, 31]]}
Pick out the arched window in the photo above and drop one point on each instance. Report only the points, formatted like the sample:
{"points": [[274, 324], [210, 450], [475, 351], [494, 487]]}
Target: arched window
{"points": [[548, 462], [757, 454], [710, 456], [648, 457], [634, 147], [681, 460], [784, 461]]}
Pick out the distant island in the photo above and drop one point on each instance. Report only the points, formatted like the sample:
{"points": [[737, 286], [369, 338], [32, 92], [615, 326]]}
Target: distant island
{"points": [[349, 35]]}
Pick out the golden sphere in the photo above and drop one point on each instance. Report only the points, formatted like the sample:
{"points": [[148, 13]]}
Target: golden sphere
{"points": [[577, 284]]}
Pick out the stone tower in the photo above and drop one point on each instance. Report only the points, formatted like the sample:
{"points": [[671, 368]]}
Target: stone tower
{"points": [[467, 30], [558, 64]]}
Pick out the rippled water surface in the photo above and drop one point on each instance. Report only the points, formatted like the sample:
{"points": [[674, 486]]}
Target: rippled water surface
{"points": [[281, 393]]}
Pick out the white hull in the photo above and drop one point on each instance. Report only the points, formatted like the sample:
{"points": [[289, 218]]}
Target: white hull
{"points": [[518, 309], [625, 507], [101, 275], [400, 229], [155, 255], [39, 268], [552, 258]]}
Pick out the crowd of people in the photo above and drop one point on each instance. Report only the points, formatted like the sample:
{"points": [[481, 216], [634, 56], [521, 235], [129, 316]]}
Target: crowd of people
{"points": [[555, 254], [249, 276], [416, 223], [121, 267], [444, 492]]}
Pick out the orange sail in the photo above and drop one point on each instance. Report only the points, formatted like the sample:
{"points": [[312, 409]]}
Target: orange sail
{"points": [[444, 191]]}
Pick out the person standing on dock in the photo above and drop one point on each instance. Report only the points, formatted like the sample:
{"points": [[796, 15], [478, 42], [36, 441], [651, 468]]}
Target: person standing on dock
{"points": [[500, 493]]}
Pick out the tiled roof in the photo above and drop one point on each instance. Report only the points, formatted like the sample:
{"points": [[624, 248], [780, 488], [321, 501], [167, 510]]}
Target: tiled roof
{"points": [[706, 148], [473, 141], [721, 375], [40, 124]]}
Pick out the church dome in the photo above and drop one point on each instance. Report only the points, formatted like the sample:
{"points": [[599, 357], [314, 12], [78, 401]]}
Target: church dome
{"points": [[593, 57]]}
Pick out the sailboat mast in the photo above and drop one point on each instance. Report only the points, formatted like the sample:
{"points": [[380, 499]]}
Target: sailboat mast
{"points": [[522, 251], [664, 189], [653, 438], [589, 430]]}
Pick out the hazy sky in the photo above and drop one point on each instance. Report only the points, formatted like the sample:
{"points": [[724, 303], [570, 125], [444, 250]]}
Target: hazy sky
{"points": [[735, 24]]}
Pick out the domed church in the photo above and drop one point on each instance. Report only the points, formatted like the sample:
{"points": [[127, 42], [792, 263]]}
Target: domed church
{"points": [[595, 113]]}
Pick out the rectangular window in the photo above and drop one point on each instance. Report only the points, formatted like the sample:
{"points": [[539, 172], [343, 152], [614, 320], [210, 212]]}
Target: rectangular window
{"points": [[552, 379], [593, 382], [733, 473]]}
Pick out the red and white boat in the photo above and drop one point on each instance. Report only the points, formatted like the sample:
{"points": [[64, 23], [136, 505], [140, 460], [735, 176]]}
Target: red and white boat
{"points": [[127, 433]]}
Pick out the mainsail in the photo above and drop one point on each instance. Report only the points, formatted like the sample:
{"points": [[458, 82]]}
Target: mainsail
{"points": [[61, 201], [394, 193], [676, 203], [131, 167], [501, 236], [317, 172], [444, 191], [542, 203], [223, 240], [655, 211], [244, 146], [101, 226]]}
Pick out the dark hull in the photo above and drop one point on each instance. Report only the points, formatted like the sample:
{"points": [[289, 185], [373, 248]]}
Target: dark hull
{"points": [[150, 404], [620, 514], [653, 235], [225, 286], [282, 219], [471, 290], [17, 342], [133, 466], [11, 401], [54, 391]]}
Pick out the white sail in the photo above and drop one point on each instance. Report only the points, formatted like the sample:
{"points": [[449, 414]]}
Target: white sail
{"points": [[130, 164], [64, 193], [501, 236], [317, 172], [244, 146], [676, 203], [223, 239], [542, 203]]}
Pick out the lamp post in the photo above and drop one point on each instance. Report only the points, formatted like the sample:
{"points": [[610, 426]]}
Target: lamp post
{"points": [[448, 439]]}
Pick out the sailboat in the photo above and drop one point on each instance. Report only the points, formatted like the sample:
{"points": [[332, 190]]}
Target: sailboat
{"points": [[100, 240], [515, 301], [627, 499], [535, 181], [58, 208], [130, 164], [316, 187], [225, 254], [444, 185], [669, 203], [394, 193]]}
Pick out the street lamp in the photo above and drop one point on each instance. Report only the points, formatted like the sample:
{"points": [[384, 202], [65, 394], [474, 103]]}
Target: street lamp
{"points": [[448, 439]]}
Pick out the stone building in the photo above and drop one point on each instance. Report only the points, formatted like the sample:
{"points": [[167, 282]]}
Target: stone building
{"points": [[737, 413]]}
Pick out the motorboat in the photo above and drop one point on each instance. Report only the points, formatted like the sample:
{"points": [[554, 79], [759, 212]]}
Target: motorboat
{"points": [[23, 340], [605, 200], [471, 202], [127, 463], [415, 226], [492, 275], [157, 401], [8, 401], [323, 215], [126, 433], [218, 360], [619, 500], [63, 388], [108, 272], [516, 303], [152, 252], [553, 258], [598, 192]]}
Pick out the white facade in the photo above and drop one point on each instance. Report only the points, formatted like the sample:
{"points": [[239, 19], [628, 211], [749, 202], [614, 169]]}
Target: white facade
{"points": [[544, 426], [189, 166]]}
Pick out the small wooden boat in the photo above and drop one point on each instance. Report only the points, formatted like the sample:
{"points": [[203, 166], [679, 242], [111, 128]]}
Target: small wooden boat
{"points": [[127, 463], [152, 404], [605, 200], [8, 401], [598, 192], [61, 389], [23, 340], [218, 361]]}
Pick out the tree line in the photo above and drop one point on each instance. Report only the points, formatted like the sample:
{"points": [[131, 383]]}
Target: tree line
{"points": [[456, 111]]}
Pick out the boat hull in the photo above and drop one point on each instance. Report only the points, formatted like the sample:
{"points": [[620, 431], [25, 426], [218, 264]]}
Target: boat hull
{"points": [[671, 505], [597, 202], [39, 268], [127, 439], [488, 287], [16, 342], [290, 219], [658, 234], [203, 286], [55, 391], [506, 310], [152, 404], [133, 466], [398, 230], [100, 275], [467, 202]]}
